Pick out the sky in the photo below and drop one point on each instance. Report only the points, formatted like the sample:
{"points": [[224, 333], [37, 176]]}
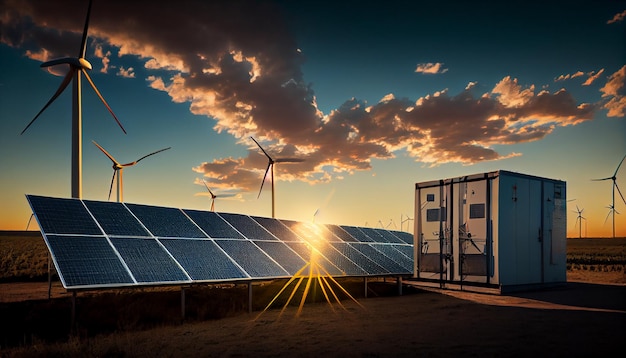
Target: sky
{"points": [[373, 96]]}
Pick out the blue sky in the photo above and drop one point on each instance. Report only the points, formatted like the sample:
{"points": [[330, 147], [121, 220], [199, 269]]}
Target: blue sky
{"points": [[374, 96]]}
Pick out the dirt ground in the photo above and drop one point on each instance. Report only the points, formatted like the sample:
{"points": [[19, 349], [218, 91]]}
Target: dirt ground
{"points": [[580, 319]]}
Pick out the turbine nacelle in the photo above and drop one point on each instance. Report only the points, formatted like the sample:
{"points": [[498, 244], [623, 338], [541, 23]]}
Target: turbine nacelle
{"points": [[72, 61], [270, 169], [117, 167]]}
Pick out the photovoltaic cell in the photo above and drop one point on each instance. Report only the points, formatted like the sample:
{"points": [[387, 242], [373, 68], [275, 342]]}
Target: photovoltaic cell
{"points": [[281, 253], [213, 224], [404, 236], [314, 257], [277, 229], [148, 261], [63, 216], [203, 260], [381, 235], [254, 261], [248, 227], [357, 233], [165, 222], [347, 267], [310, 232], [115, 219], [341, 233], [87, 261], [371, 267], [377, 256], [391, 252], [406, 250]]}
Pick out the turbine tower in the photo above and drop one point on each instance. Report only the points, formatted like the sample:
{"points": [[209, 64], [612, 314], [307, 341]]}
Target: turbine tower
{"points": [[78, 67], [213, 196], [614, 179], [118, 170], [270, 166], [579, 221]]}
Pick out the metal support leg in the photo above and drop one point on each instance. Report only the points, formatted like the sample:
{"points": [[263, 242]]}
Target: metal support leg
{"points": [[73, 319], [182, 304], [49, 276], [365, 287], [399, 286], [250, 297]]}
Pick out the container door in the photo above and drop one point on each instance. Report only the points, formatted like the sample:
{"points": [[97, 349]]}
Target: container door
{"points": [[473, 231], [433, 240]]}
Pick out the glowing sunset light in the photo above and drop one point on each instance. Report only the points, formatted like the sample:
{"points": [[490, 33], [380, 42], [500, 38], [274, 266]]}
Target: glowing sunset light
{"points": [[370, 120]]}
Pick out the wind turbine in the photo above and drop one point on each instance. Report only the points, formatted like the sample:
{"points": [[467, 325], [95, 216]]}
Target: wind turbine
{"points": [[579, 221], [270, 165], [614, 179], [78, 67], [214, 196], [402, 221], [118, 169]]}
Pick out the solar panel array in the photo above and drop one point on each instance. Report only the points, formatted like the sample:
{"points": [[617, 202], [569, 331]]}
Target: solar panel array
{"points": [[96, 244]]}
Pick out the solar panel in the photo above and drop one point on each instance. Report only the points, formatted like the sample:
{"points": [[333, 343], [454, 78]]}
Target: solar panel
{"points": [[283, 255], [347, 267], [248, 227], [310, 232], [277, 228], [213, 224], [379, 258], [97, 244], [341, 233], [63, 216], [357, 233], [371, 267], [391, 252], [203, 260], [87, 261], [165, 222], [251, 259], [404, 236], [115, 219], [148, 261], [314, 257], [382, 235]]}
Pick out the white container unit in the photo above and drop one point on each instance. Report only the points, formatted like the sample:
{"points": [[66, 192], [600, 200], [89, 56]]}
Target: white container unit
{"points": [[501, 230]]}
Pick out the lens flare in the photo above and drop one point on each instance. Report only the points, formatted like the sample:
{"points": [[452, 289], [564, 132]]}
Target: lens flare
{"points": [[312, 274]]}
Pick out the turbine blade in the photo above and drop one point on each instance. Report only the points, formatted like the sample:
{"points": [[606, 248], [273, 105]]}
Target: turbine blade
{"points": [[62, 87], [264, 177], [289, 160], [106, 153], [619, 165], [620, 193], [153, 153], [609, 178], [102, 99], [111, 186], [83, 44], [213, 204], [263, 150], [607, 215], [207, 188]]}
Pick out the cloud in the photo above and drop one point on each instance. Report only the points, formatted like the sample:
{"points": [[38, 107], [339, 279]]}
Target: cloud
{"points": [[126, 72], [430, 68], [236, 63], [618, 17], [614, 90], [591, 76]]}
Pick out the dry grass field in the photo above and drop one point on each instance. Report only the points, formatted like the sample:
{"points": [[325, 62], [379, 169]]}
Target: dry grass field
{"points": [[587, 317]]}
